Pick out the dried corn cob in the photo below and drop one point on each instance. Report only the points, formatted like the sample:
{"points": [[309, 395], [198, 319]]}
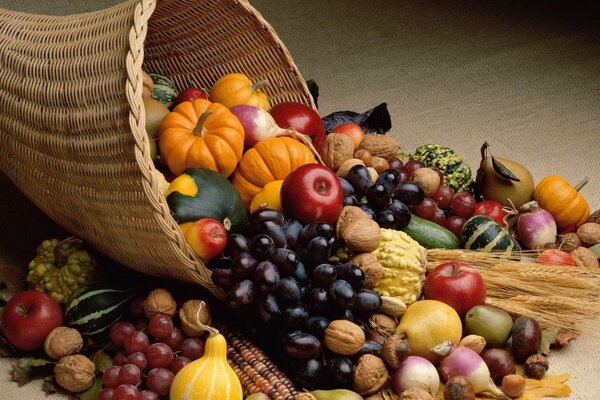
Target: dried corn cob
{"points": [[256, 371]]}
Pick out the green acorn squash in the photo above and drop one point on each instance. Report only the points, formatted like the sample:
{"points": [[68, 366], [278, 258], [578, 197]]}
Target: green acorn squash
{"points": [[482, 233], [203, 193]]}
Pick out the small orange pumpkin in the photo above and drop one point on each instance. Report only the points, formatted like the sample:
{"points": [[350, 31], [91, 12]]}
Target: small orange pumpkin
{"points": [[269, 160], [568, 207], [233, 89], [201, 135]]}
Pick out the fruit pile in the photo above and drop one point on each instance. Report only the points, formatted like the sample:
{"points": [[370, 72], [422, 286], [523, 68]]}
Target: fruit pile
{"points": [[315, 230]]}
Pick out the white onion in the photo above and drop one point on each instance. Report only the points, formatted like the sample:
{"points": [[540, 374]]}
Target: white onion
{"points": [[416, 372]]}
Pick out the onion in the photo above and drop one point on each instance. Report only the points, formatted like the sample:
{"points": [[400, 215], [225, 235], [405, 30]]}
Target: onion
{"points": [[416, 372], [536, 226], [460, 360]]}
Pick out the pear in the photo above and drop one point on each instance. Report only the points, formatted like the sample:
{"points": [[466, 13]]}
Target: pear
{"points": [[503, 180], [426, 324]]}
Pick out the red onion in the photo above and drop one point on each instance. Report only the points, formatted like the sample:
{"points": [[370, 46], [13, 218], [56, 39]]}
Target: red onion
{"points": [[536, 226], [416, 372]]}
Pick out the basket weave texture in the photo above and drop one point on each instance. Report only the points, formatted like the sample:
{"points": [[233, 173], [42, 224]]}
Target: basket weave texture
{"points": [[72, 135]]}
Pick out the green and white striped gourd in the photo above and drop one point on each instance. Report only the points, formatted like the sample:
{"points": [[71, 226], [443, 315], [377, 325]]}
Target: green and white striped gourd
{"points": [[482, 233], [164, 89]]}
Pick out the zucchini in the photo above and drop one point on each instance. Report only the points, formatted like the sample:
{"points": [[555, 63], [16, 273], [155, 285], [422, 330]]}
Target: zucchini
{"points": [[430, 235], [93, 308], [482, 233]]}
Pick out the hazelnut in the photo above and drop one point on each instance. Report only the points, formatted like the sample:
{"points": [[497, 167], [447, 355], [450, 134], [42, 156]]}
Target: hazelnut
{"points": [[536, 366], [342, 171], [159, 301], [569, 242], [194, 315], [383, 323], [62, 341], [365, 156], [369, 375], [589, 233], [513, 385], [344, 337], [380, 164], [75, 373], [392, 306], [384, 146], [337, 148], [585, 258], [459, 388], [474, 342], [416, 393], [362, 236], [427, 179], [371, 268]]}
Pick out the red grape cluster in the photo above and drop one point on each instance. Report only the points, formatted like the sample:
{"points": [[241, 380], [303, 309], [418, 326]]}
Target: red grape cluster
{"points": [[151, 352]]}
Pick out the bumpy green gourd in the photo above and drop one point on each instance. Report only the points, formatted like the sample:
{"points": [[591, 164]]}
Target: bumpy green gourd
{"points": [[457, 174]]}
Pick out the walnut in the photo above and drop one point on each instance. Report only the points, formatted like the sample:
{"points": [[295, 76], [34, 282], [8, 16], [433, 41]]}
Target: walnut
{"points": [[416, 393], [62, 341], [474, 342], [343, 170], [589, 233], [371, 268], [348, 216], [75, 373], [383, 323], [159, 301], [383, 146], [380, 164], [594, 217], [344, 337], [337, 148], [362, 236], [569, 242], [392, 306], [194, 315], [370, 374], [365, 156], [585, 258]]}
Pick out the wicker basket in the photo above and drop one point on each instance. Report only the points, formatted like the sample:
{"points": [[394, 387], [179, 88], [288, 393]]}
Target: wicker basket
{"points": [[72, 135]]}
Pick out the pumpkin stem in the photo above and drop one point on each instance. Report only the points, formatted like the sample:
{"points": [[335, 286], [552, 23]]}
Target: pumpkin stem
{"points": [[306, 141], [259, 85], [581, 184], [59, 258], [201, 121]]}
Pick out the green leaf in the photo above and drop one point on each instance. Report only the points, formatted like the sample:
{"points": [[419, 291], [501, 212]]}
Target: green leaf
{"points": [[93, 392], [102, 360], [503, 171], [49, 385], [548, 337], [28, 368]]}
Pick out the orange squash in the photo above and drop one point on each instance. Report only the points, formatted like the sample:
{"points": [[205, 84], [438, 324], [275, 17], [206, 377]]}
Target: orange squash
{"points": [[201, 135], [269, 160], [233, 89], [568, 207]]}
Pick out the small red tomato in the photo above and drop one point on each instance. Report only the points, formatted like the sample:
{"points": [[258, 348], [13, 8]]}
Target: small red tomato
{"points": [[555, 257], [492, 209]]}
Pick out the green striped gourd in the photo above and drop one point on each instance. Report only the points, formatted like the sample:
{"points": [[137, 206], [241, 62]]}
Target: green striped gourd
{"points": [[93, 308], [482, 233], [164, 90]]}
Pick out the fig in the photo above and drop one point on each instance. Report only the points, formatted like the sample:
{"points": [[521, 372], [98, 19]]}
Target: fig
{"points": [[502, 180], [491, 323], [526, 338]]}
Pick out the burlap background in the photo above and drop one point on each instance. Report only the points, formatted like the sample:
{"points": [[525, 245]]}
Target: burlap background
{"points": [[522, 75]]}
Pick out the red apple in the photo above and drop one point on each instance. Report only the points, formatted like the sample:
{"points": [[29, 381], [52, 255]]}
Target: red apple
{"points": [[312, 193], [302, 118], [190, 94], [29, 317], [457, 284], [207, 237], [356, 133]]}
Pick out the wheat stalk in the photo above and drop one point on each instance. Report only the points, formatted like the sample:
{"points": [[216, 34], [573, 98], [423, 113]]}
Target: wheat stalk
{"points": [[556, 296]]}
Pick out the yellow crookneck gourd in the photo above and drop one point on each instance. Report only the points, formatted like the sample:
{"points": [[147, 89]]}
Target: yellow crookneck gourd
{"points": [[210, 377]]}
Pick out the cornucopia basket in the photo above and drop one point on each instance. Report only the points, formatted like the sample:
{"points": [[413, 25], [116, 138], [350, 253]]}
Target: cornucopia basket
{"points": [[72, 133]]}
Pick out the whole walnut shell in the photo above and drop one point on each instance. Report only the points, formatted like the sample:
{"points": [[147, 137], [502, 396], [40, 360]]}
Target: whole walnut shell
{"points": [[62, 341], [194, 315], [343, 170], [348, 216], [383, 323], [337, 148], [370, 374], [569, 242], [344, 337], [362, 236], [585, 258], [371, 268], [75, 373], [589, 233], [159, 301]]}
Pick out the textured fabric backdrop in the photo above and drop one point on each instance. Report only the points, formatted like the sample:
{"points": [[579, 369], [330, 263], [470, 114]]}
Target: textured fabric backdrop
{"points": [[522, 75]]}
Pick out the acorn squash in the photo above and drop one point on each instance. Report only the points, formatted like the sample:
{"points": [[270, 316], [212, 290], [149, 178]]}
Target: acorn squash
{"points": [[203, 193]]}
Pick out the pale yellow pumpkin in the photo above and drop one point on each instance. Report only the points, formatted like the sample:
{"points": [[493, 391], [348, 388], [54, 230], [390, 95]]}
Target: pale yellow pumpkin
{"points": [[210, 377]]}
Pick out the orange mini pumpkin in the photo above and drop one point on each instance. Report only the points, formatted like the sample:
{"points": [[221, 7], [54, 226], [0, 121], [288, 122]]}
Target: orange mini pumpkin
{"points": [[568, 207], [201, 135], [233, 89], [269, 160]]}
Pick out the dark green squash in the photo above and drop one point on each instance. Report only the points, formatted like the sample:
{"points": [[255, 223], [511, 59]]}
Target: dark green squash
{"points": [[203, 193], [482, 233]]}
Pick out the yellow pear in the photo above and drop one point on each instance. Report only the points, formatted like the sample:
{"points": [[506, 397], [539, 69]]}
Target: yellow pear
{"points": [[427, 323]]}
